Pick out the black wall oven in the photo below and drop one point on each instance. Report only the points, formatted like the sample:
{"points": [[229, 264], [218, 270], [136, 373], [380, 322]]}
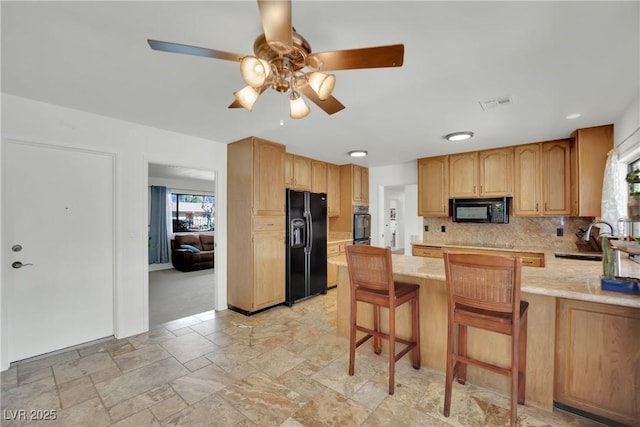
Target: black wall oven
{"points": [[361, 225]]}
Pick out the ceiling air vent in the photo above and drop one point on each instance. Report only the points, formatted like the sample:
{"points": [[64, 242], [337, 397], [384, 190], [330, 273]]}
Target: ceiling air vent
{"points": [[501, 101]]}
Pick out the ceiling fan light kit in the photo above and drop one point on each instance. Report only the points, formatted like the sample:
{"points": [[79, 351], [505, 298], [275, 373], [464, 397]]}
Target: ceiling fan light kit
{"points": [[284, 62], [246, 96], [254, 70], [297, 107], [322, 84]]}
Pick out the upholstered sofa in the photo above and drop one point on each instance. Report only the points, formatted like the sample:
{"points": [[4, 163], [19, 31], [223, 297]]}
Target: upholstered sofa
{"points": [[191, 252]]}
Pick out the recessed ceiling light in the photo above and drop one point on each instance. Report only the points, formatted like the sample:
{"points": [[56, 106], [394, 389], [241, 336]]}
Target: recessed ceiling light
{"points": [[458, 136], [358, 153], [573, 116]]}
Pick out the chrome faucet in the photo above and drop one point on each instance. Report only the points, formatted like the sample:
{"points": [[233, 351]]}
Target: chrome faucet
{"points": [[588, 233]]}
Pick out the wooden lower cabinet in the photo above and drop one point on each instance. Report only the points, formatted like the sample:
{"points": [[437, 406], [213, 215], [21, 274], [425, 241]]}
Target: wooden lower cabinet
{"points": [[427, 251], [333, 250], [268, 269], [529, 259], [597, 367]]}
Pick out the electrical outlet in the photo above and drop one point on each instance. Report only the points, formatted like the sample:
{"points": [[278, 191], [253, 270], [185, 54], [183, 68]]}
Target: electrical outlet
{"points": [[426, 228], [443, 229], [559, 232]]}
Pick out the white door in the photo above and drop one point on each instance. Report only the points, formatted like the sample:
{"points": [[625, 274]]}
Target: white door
{"points": [[59, 209]]}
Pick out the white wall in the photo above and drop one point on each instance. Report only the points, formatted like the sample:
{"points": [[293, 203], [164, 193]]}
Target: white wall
{"points": [[628, 122], [404, 174], [181, 184], [134, 146], [627, 133], [412, 222]]}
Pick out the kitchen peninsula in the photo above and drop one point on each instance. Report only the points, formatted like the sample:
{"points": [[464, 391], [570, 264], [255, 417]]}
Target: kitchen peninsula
{"points": [[583, 343]]}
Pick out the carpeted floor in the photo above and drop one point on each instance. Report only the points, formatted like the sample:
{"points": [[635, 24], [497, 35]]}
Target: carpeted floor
{"points": [[174, 294]]}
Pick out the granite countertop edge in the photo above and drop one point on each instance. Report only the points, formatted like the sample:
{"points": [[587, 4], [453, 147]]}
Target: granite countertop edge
{"points": [[561, 278]]}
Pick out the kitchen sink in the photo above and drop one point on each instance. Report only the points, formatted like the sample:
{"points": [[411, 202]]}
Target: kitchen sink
{"points": [[586, 257]]}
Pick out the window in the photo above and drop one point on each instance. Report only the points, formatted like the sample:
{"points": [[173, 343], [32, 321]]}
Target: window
{"points": [[192, 212]]}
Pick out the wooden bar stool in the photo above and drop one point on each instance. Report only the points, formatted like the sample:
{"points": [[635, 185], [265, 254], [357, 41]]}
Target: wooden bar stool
{"points": [[371, 276], [483, 291]]}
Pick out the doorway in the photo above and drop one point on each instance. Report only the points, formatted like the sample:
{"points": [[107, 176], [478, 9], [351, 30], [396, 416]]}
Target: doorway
{"points": [[59, 224], [399, 212], [176, 294]]}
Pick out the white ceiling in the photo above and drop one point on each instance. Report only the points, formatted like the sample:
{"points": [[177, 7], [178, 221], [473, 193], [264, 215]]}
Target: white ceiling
{"points": [[552, 58]]}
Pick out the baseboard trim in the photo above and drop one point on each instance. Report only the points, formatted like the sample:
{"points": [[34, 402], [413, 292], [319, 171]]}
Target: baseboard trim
{"points": [[589, 415]]}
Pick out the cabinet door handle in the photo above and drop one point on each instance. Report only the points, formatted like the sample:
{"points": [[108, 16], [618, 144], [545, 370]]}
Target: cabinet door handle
{"points": [[481, 189], [536, 207]]}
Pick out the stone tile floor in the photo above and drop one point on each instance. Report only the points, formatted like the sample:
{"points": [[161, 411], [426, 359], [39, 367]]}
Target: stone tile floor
{"points": [[283, 367]]}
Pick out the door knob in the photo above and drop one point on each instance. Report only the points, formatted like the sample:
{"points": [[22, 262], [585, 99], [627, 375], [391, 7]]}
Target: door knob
{"points": [[18, 264]]}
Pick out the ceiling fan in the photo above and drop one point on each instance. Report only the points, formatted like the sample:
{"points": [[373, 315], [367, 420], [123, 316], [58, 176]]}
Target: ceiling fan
{"points": [[284, 62]]}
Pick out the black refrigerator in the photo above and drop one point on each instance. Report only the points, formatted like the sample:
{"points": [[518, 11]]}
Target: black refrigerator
{"points": [[306, 245]]}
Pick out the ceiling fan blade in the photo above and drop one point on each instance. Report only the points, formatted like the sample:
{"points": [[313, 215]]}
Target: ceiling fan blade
{"points": [[329, 105], [193, 50], [276, 21], [370, 57]]}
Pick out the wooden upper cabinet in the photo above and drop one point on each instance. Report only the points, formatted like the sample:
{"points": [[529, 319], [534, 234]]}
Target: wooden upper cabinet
{"points": [[589, 149], [288, 170], [487, 173], [463, 175], [542, 179], [360, 185], [555, 159], [333, 190], [302, 173], [496, 172], [433, 186], [297, 172], [268, 173], [527, 180], [318, 176]]}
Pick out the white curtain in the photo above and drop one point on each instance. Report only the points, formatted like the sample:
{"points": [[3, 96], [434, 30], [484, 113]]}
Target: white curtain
{"points": [[614, 190]]}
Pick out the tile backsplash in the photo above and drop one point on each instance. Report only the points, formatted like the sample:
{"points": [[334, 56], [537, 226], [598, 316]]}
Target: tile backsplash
{"points": [[521, 232]]}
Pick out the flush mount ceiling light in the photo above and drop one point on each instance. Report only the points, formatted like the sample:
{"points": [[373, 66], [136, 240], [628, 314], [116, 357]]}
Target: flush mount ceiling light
{"points": [[283, 61], [458, 136], [358, 153], [573, 116]]}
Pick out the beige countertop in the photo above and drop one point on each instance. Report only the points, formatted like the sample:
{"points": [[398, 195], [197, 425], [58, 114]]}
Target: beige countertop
{"points": [[562, 278]]}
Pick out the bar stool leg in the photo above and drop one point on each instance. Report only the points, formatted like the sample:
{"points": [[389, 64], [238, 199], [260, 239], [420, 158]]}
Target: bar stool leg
{"points": [[461, 371], [352, 337], [522, 365], [515, 370], [415, 328], [448, 383], [377, 341], [392, 349]]}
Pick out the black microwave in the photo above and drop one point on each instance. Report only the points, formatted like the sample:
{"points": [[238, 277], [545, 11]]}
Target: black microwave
{"points": [[494, 210]]}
